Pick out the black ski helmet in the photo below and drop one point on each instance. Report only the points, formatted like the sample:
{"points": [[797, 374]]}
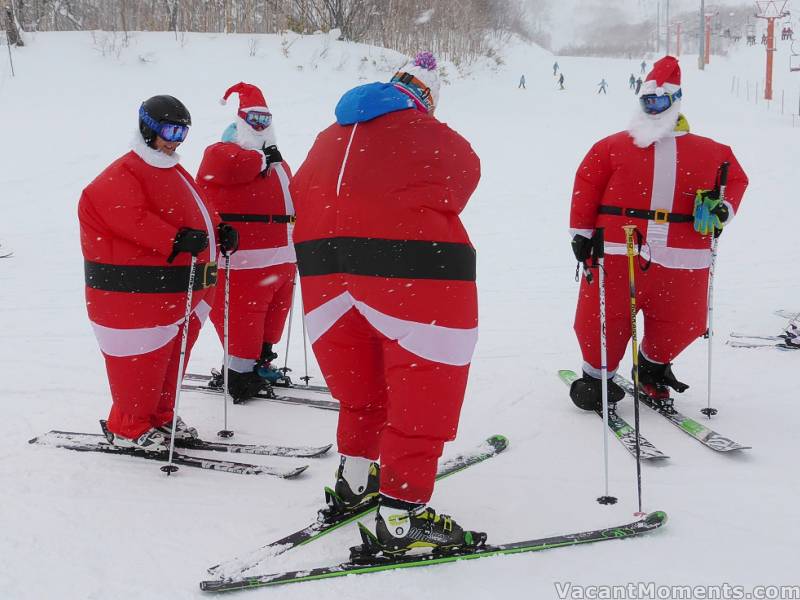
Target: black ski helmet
{"points": [[163, 109]]}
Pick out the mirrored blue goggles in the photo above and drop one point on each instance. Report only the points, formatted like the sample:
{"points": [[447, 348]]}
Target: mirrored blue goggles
{"points": [[169, 132], [653, 104], [257, 119]]}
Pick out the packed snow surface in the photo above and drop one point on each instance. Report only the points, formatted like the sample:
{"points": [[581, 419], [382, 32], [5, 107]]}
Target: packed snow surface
{"points": [[90, 526]]}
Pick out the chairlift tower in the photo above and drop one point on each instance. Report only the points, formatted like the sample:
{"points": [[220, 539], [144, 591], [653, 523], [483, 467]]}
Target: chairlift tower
{"points": [[770, 10]]}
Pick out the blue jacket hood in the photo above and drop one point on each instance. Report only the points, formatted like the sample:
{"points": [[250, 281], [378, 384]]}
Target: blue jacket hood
{"points": [[366, 102]]}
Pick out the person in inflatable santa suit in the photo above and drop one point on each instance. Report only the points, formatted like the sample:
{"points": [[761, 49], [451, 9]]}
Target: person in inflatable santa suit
{"points": [[388, 280], [661, 178], [247, 181], [140, 220]]}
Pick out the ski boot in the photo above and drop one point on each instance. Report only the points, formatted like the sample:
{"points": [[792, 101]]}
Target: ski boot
{"points": [[266, 371], [183, 431], [791, 336], [357, 483], [151, 440], [243, 386], [403, 526], [655, 378], [587, 393]]}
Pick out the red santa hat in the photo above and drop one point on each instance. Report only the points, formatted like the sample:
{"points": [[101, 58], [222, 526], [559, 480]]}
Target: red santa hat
{"points": [[250, 97], [665, 77]]}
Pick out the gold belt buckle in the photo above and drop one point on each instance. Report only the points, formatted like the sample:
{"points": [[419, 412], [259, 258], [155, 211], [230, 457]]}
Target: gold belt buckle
{"points": [[209, 274], [662, 216]]}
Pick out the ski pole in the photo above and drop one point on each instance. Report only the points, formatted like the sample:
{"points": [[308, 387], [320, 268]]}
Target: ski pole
{"points": [[599, 254], [225, 432], [631, 252], [306, 378], [723, 182], [170, 468], [285, 368]]}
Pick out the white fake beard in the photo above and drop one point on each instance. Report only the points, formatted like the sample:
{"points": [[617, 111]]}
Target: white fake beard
{"points": [[647, 129], [250, 139], [151, 156]]}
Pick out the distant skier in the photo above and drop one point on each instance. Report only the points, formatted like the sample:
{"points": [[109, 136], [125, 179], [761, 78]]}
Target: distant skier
{"points": [[561, 81], [247, 181], [388, 279], [521, 82], [632, 177], [632, 81], [643, 66], [140, 219], [555, 68], [602, 86], [638, 85]]}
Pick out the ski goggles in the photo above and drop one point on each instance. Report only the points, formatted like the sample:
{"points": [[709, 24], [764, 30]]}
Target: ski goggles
{"points": [[257, 119], [169, 132], [654, 105], [417, 87]]}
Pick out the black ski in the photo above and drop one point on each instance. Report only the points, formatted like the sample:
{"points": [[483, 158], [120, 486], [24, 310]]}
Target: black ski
{"points": [[363, 559], [89, 442], [704, 435], [329, 521], [270, 396], [284, 382], [198, 444], [624, 432]]}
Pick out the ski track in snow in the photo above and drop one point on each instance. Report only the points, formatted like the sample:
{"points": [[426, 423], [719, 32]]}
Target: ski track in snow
{"points": [[88, 526]]}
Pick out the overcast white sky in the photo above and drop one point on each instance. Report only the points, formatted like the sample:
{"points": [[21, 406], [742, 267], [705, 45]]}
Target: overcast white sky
{"points": [[567, 14]]}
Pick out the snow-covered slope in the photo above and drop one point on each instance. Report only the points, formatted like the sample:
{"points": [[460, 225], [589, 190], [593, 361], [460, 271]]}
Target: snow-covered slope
{"points": [[89, 526]]}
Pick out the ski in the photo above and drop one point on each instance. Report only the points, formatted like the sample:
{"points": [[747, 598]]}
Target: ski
{"points": [[363, 561], [623, 431], [270, 396], [787, 314], [773, 338], [283, 382], [88, 442], [704, 435], [755, 344], [198, 444], [328, 522]]}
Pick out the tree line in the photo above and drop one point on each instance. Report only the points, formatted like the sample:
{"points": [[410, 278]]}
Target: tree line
{"points": [[457, 30]]}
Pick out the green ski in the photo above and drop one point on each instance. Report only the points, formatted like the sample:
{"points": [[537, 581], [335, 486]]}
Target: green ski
{"points": [[622, 430], [372, 564]]}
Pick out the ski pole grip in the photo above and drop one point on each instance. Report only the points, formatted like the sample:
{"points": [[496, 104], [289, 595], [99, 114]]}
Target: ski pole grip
{"points": [[723, 174], [598, 243]]}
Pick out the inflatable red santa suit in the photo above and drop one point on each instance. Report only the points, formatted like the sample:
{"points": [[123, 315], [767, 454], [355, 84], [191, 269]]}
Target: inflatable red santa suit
{"points": [[140, 221], [657, 176], [388, 281], [246, 180]]}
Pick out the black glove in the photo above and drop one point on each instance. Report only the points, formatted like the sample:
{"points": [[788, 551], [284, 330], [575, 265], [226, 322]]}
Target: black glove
{"points": [[193, 241], [228, 239], [582, 247], [273, 155], [721, 210]]}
